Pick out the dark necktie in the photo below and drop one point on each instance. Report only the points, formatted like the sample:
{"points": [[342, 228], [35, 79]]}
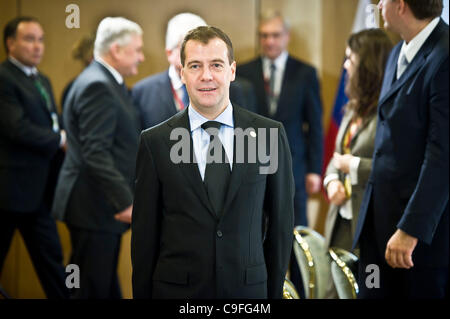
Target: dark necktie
{"points": [[217, 174], [48, 102], [272, 97]]}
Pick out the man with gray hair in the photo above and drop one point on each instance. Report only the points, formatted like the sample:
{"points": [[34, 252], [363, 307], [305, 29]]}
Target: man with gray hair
{"points": [[160, 96], [95, 188]]}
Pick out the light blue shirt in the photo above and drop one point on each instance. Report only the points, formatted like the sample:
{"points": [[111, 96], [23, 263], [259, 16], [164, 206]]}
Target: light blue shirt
{"points": [[200, 138]]}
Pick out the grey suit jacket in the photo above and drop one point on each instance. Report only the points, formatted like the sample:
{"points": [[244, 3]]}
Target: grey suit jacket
{"points": [[97, 177], [361, 146]]}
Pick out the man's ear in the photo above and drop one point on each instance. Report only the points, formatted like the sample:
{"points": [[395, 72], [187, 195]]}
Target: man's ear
{"points": [[233, 71], [114, 50], [182, 75], [402, 7], [9, 43]]}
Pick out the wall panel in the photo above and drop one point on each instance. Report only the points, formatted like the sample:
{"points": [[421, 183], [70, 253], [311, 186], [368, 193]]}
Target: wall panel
{"points": [[319, 31]]}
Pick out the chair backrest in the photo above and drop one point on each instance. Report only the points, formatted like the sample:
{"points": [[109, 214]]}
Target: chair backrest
{"points": [[343, 267], [313, 260], [289, 291]]}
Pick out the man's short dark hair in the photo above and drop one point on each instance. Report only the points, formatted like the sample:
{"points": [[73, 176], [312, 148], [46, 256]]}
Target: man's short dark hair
{"points": [[204, 35], [425, 9], [10, 29]]}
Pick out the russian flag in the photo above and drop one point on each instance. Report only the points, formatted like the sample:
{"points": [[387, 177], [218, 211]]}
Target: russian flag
{"points": [[367, 16]]}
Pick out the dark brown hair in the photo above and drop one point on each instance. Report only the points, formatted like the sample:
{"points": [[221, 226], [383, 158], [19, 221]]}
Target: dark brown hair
{"points": [[425, 9], [204, 34], [372, 48], [10, 29]]}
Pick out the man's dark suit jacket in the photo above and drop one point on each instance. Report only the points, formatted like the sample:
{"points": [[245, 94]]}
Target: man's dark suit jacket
{"points": [[154, 98], [298, 104], [181, 248], [409, 181], [28, 145], [97, 176]]}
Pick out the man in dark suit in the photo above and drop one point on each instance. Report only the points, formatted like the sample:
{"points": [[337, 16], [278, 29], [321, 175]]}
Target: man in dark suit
{"points": [[403, 226], [31, 143], [197, 223], [160, 96], [287, 90], [95, 188]]}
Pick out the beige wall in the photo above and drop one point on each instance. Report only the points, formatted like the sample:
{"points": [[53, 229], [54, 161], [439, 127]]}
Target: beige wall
{"points": [[318, 35]]}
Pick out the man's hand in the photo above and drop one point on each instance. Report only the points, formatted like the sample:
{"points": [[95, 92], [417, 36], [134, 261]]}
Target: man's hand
{"points": [[125, 215], [342, 162], [313, 183], [63, 143], [399, 250], [336, 192]]}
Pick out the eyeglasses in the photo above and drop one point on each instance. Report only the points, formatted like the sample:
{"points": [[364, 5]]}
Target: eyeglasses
{"points": [[275, 35]]}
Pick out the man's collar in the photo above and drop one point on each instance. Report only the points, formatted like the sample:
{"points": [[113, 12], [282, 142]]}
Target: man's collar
{"points": [[410, 50], [28, 70], [117, 76], [279, 62], [197, 120], [175, 78]]}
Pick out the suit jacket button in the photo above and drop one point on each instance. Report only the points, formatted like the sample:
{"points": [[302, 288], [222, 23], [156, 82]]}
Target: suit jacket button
{"points": [[219, 234]]}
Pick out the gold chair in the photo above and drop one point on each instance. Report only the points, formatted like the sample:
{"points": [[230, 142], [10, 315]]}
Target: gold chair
{"points": [[313, 261], [343, 266], [289, 291]]}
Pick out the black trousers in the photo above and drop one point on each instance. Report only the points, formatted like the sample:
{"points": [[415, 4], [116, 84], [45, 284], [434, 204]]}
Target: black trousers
{"points": [[39, 232], [414, 283], [96, 254]]}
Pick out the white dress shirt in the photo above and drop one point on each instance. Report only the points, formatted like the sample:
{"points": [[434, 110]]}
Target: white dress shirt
{"points": [[28, 70], [117, 76], [200, 138], [409, 50], [177, 85], [280, 66]]}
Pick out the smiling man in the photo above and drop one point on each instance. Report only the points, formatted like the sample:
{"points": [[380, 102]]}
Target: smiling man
{"points": [[95, 189], [197, 226]]}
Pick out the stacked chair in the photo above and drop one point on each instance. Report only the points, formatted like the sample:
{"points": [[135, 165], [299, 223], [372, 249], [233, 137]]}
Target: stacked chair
{"points": [[319, 265]]}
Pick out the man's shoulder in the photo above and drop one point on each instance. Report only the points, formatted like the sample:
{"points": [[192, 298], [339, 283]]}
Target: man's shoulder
{"points": [[250, 65], [152, 81], [257, 120], [293, 62]]}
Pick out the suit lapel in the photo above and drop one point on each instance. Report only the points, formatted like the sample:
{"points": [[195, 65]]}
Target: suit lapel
{"points": [[260, 88], [190, 170], [166, 95], [345, 123], [418, 61], [28, 82], [361, 129], [239, 169], [289, 71]]}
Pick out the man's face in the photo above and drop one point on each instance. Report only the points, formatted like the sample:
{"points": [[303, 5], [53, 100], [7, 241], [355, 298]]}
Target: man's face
{"points": [[273, 38], [389, 11], [28, 44], [128, 57], [207, 74], [173, 56]]}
